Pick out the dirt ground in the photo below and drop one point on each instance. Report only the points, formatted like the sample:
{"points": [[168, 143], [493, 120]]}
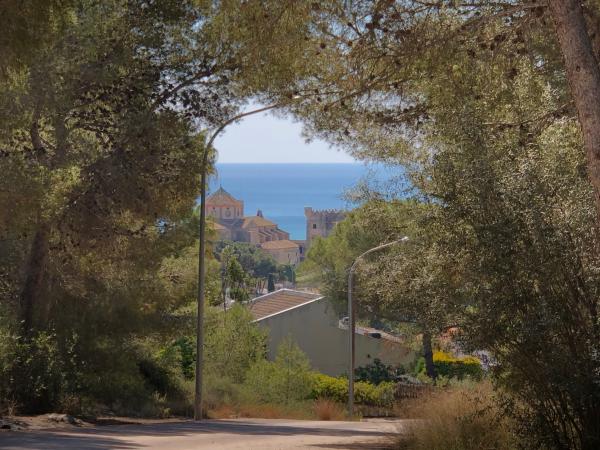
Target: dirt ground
{"points": [[42, 433]]}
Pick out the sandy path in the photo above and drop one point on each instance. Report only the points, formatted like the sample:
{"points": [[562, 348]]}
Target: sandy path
{"points": [[248, 434]]}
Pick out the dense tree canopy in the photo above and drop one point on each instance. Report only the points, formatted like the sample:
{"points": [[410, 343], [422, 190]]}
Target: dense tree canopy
{"points": [[473, 100], [101, 144], [490, 106]]}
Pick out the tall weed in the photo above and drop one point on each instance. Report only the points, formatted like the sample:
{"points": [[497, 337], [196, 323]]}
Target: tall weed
{"points": [[461, 417]]}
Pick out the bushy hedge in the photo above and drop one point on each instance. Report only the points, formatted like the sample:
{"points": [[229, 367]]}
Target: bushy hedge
{"points": [[365, 393], [377, 372], [332, 388], [31, 371], [283, 381], [448, 366]]}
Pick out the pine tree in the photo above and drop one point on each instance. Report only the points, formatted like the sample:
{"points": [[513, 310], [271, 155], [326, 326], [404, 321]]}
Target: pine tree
{"points": [[271, 283]]}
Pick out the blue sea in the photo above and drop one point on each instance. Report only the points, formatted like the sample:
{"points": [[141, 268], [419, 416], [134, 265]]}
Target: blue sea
{"points": [[282, 191]]}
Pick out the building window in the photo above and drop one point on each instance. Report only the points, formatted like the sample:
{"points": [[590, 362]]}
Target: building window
{"points": [[314, 226]]}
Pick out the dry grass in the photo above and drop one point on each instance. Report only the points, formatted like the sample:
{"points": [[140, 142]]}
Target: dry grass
{"points": [[456, 418], [326, 409], [319, 409], [222, 412], [261, 411], [269, 411]]}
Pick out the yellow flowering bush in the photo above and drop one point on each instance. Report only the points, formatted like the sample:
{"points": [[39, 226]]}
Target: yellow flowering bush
{"points": [[452, 367]]}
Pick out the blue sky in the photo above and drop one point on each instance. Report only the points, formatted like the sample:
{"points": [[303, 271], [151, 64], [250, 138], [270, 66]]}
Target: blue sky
{"points": [[263, 138]]}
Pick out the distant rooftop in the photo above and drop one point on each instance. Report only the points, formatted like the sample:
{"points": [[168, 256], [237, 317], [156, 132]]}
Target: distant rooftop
{"points": [[284, 300], [223, 197], [256, 221], [277, 245], [279, 301]]}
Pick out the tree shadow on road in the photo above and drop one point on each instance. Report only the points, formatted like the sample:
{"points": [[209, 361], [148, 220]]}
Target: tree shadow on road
{"points": [[364, 445], [61, 440], [123, 437], [235, 427]]}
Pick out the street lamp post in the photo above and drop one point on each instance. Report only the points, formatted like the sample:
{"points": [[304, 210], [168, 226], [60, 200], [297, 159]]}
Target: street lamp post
{"points": [[352, 318], [202, 251]]}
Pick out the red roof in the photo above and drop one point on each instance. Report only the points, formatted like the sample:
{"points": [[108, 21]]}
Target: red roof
{"points": [[279, 301]]}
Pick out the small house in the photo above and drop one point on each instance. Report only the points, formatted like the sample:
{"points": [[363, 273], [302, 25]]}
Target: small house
{"points": [[309, 319]]}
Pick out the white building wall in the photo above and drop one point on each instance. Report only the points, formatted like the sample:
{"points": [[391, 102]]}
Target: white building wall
{"points": [[314, 327]]}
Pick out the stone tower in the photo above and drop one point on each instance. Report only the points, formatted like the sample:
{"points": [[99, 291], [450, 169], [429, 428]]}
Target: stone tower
{"points": [[320, 223]]}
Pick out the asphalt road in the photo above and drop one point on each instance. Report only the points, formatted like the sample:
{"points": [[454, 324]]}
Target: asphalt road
{"points": [[211, 434]]}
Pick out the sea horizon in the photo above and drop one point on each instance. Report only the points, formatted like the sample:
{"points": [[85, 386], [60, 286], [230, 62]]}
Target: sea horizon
{"points": [[292, 162], [281, 191]]}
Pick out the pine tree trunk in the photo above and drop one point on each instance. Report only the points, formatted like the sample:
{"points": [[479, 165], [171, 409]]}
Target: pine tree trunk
{"points": [[428, 355], [583, 75], [34, 276]]}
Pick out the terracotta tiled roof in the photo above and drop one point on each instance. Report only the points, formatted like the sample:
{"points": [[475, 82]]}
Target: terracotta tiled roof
{"points": [[281, 244], [222, 197], [257, 221], [279, 301], [217, 226]]}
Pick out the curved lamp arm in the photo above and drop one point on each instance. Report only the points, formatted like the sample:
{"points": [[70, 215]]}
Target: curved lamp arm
{"points": [[351, 317]]}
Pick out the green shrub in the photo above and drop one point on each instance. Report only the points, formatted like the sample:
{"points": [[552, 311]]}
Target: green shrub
{"points": [[377, 372], [158, 378], [186, 355], [219, 391], [447, 366], [336, 389], [32, 372], [287, 379], [324, 386], [450, 367], [232, 342], [374, 395]]}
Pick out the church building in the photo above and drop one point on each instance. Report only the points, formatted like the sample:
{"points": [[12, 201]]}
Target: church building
{"points": [[231, 224]]}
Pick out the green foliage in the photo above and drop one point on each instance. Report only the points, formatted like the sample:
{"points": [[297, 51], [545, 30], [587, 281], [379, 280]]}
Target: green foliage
{"points": [[289, 379], [247, 270], [253, 260], [365, 393], [178, 274], [233, 343], [381, 395], [283, 381], [450, 367], [220, 390], [236, 280], [100, 156], [472, 101], [185, 355], [287, 272], [325, 386], [377, 372], [29, 26], [271, 283], [32, 371]]}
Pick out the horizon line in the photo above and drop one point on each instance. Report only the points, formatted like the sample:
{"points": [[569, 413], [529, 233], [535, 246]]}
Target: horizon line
{"points": [[292, 162]]}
